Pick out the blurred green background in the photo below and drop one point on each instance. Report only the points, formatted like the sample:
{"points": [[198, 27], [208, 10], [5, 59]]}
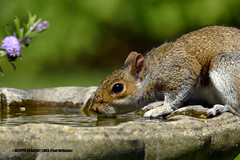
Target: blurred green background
{"points": [[88, 39]]}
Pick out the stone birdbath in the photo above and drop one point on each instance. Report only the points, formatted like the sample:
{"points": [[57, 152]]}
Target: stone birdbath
{"points": [[186, 134]]}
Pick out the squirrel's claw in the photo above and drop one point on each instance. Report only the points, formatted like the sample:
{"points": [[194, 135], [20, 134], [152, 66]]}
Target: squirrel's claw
{"points": [[217, 109], [159, 112], [152, 105]]}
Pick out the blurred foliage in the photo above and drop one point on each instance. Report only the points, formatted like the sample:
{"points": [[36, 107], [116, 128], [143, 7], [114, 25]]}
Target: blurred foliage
{"points": [[88, 39], [238, 157]]}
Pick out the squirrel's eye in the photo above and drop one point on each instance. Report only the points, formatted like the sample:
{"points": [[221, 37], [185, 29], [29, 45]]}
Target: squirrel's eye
{"points": [[117, 88]]}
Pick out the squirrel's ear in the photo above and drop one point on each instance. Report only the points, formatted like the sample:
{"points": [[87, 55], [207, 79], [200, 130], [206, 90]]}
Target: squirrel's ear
{"points": [[130, 58], [138, 67]]}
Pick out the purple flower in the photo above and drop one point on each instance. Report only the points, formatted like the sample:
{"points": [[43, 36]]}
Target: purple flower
{"points": [[41, 26], [12, 46]]}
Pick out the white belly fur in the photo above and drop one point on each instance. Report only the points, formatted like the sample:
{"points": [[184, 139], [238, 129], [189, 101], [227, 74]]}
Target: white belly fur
{"points": [[204, 96]]}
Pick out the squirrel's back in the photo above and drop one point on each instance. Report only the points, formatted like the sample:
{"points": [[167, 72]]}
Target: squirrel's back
{"points": [[204, 44]]}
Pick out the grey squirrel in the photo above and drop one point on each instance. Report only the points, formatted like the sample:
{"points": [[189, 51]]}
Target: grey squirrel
{"points": [[201, 66]]}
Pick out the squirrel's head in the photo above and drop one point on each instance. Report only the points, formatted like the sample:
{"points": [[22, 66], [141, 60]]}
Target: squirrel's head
{"points": [[118, 93]]}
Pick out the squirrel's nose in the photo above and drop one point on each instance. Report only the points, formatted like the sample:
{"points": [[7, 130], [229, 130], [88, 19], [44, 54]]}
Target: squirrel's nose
{"points": [[96, 108], [103, 109]]}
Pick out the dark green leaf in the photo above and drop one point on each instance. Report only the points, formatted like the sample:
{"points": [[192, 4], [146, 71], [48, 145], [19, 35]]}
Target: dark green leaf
{"points": [[36, 33], [33, 19], [13, 65], [25, 45], [22, 44], [21, 32], [17, 25], [9, 30], [25, 27], [29, 20], [1, 71], [33, 27]]}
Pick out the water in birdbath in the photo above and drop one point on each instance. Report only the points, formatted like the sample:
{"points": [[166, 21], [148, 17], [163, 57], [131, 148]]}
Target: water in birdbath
{"points": [[15, 116]]}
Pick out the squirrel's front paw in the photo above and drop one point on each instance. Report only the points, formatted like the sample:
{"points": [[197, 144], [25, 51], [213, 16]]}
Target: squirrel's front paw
{"points": [[217, 109], [159, 112], [152, 106]]}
